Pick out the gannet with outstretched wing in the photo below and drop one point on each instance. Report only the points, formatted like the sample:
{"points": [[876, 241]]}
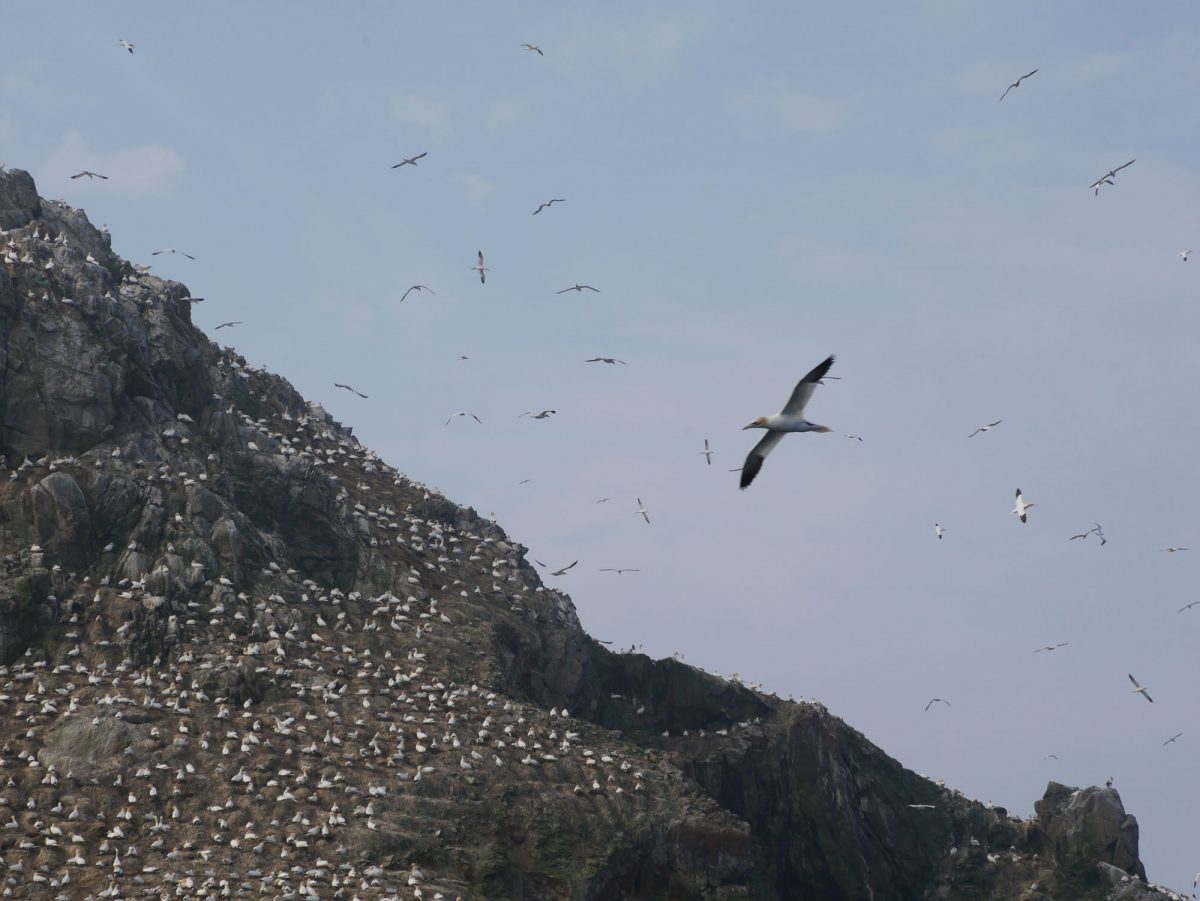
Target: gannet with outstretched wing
{"points": [[789, 419]]}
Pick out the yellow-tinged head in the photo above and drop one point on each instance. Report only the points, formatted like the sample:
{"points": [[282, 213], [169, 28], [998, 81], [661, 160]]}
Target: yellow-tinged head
{"points": [[759, 423]]}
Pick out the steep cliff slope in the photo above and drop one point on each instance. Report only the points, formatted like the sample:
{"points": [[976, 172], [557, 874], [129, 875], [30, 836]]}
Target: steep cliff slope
{"points": [[242, 655]]}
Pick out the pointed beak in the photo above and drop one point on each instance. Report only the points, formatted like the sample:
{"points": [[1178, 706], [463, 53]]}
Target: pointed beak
{"points": [[747, 427], [824, 428]]}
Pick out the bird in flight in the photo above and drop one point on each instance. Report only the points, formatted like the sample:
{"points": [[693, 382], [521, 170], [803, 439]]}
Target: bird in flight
{"points": [[933, 701], [561, 572], [642, 510], [465, 413], [1020, 507], [90, 175], [1107, 178], [172, 250], [351, 390], [481, 269], [1172, 550], [229, 324], [1189, 606], [1139, 689], [1183, 255], [579, 288], [790, 419], [535, 48], [545, 414], [1052, 647], [411, 161], [1097, 530], [984, 428], [610, 569], [1173, 738], [707, 452], [547, 204], [938, 531], [126, 45], [1017, 83], [609, 360], [416, 288], [922, 806]]}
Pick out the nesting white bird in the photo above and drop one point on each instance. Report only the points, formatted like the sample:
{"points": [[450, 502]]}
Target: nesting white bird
{"points": [[1020, 507], [790, 419], [1139, 689]]}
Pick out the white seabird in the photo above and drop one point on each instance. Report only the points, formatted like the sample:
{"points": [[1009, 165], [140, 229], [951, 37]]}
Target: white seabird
{"points": [[986, 427], [790, 419], [1020, 507], [1017, 83], [1172, 550], [348, 388], [1107, 178], [229, 324], [545, 414], [172, 250], [707, 452], [91, 175], [938, 531], [642, 510], [1139, 689], [579, 288], [535, 48], [548, 203], [465, 413], [481, 269], [125, 44], [611, 361], [1052, 647], [1183, 255]]}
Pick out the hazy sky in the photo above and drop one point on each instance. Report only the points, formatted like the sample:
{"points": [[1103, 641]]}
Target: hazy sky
{"points": [[751, 190]]}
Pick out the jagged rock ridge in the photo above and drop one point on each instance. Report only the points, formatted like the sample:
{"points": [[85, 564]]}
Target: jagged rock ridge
{"points": [[244, 656]]}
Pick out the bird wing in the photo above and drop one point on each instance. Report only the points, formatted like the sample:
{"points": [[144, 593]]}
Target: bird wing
{"points": [[992, 425], [1134, 681], [406, 293], [804, 388], [1006, 90], [1023, 77], [754, 460], [1119, 168]]}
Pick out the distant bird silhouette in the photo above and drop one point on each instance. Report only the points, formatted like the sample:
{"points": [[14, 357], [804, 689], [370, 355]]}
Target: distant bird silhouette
{"points": [[172, 250], [465, 413], [1017, 83], [481, 269], [535, 48], [610, 360], [1139, 689], [985, 428], [579, 288], [547, 204], [125, 44], [228, 324], [90, 175], [933, 701], [416, 288], [348, 388], [411, 161]]}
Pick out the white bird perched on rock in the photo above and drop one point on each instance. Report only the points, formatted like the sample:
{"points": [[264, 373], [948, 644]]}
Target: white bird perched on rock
{"points": [[1139, 689], [1020, 507], [790, 419]]}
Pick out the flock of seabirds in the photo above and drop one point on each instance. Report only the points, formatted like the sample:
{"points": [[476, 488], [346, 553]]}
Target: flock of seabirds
{"points": [[790, 419]]}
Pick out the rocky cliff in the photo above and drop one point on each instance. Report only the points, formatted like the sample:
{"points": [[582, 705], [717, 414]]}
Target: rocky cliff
{"points": [[244, 656]]}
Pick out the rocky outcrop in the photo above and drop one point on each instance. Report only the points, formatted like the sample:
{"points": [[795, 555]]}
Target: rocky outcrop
{"points": [[241, 655]]}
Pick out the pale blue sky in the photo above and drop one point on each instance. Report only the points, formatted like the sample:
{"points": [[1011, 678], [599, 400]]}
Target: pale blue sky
{"points": [[750, 191]]}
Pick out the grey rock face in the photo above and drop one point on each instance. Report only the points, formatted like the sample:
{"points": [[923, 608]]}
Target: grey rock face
{"points": [[1087, 826]]}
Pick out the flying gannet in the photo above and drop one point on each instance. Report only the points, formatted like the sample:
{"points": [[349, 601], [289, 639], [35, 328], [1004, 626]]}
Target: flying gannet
{"points": [[411, 161], [348, 388], [1139, 689], [933, 701], [125, 44], [1107, 178], [535, 48], [545, 414], [229, 324], [790, 419], [938, 530], [1172, 550], [707, 452], [172, 250], [612, 361], [612, 569], [563, 571], [1173, 738], [548, 203], [465, 413], [1016, 84], [642, 510], [985, 428], [1097, 530], [416, 288], [579, 288], [1189, 606], [481, 269], [90, 175], [1183, 255], [1020, 507], [1052, 647]]}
